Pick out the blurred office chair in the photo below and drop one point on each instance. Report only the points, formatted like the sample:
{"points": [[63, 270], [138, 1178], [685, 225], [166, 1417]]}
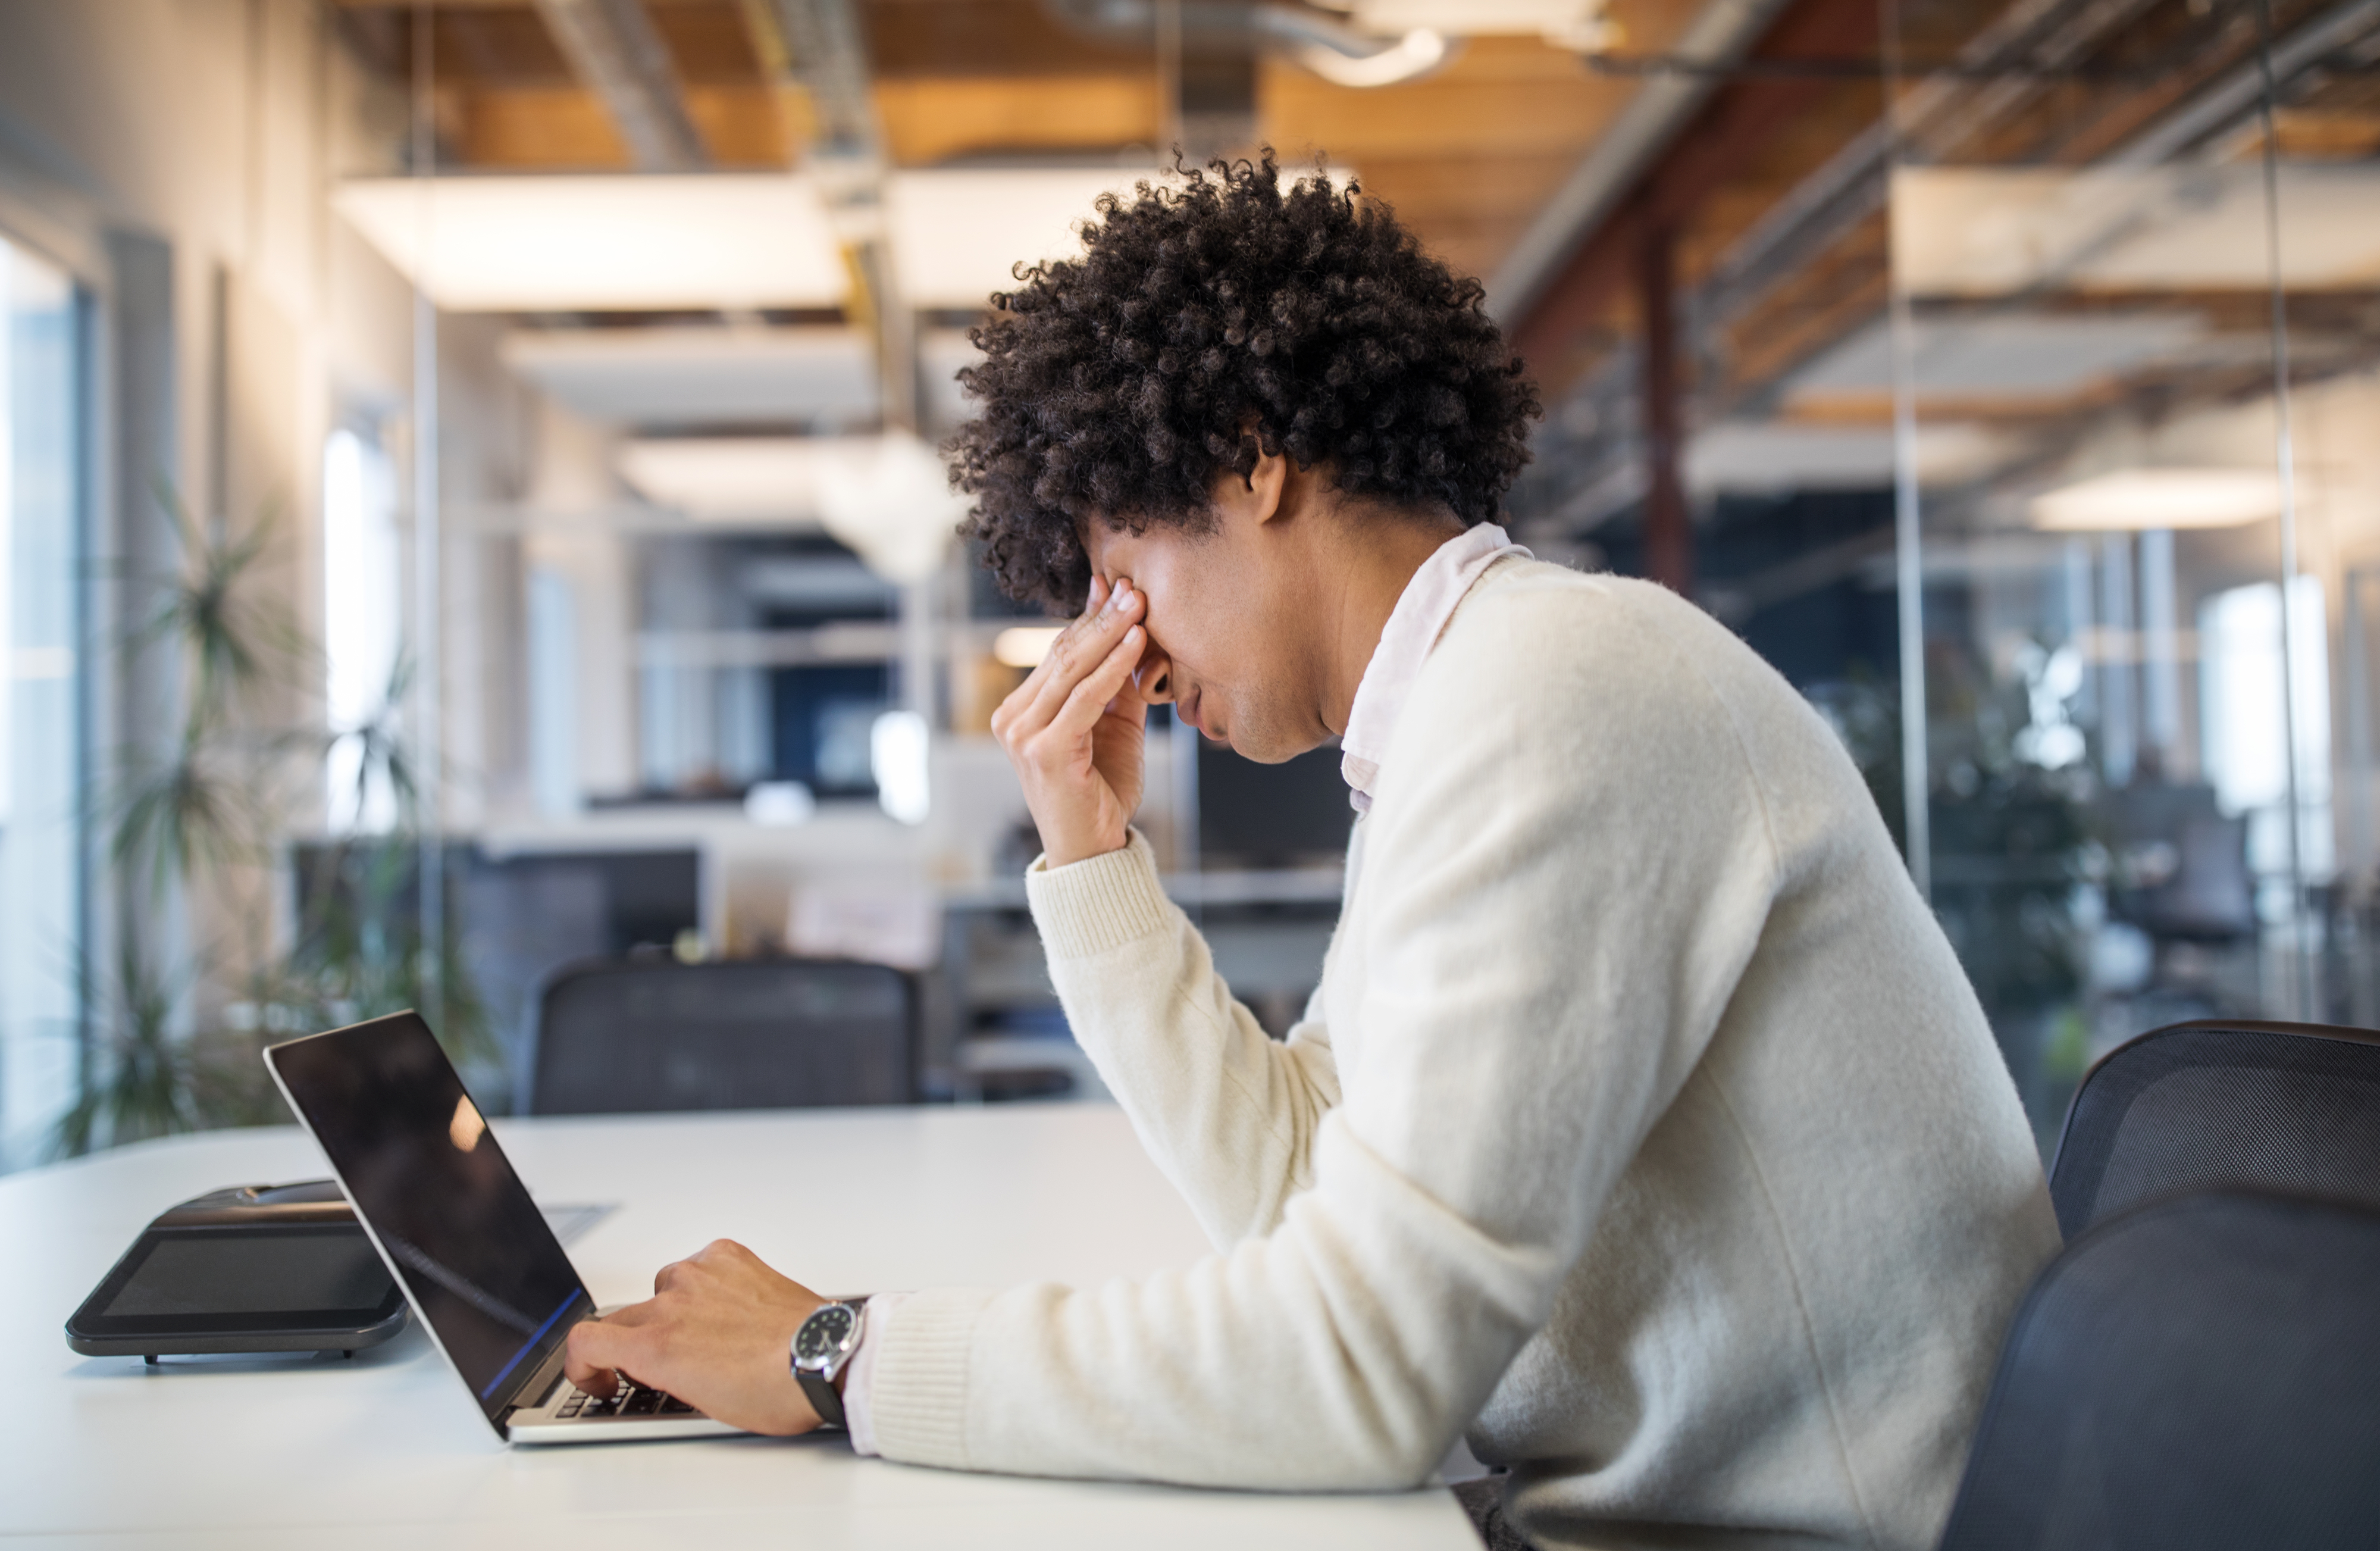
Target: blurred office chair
{"points": [[2199, 1372], [2283, 1106], [2181, 864], [621, 1037]]}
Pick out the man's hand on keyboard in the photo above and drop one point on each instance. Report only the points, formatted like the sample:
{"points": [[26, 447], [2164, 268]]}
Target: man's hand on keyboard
{"points": [[717, 1333]]}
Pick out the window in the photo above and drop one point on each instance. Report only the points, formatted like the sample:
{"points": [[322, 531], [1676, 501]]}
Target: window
{"points": [[42, 765], [361, 595], [2255, 699]]}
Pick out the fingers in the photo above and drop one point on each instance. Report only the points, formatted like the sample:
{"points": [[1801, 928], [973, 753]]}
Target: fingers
{"points": [[1079, 656], [1088, 701], [1083, 648], [591, 1357], [1051, 660]]}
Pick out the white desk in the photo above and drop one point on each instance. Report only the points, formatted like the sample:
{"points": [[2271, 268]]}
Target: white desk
{"points": [[388, 1449]]}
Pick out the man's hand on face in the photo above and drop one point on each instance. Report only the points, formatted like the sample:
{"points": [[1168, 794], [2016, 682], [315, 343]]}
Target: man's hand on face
{"points": [[717, 1332], [1073, 734]]}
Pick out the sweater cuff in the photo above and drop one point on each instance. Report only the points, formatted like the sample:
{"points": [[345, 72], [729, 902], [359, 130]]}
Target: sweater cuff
{"points": [[918, 1392], [859, 1379], [1089, 907]]}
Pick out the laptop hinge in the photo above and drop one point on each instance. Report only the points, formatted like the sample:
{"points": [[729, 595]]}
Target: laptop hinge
{"points": [[530, 1391]]}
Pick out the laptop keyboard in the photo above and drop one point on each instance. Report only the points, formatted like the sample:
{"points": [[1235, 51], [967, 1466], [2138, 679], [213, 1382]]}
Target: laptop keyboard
{"points": [[631, 1401]]}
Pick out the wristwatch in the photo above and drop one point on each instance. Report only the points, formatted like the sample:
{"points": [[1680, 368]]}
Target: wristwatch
{"points": [[822, 1348]]}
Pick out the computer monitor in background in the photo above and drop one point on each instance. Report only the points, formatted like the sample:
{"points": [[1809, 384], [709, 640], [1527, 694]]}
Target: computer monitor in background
{"points": [[1251, 815], [518, 916]]}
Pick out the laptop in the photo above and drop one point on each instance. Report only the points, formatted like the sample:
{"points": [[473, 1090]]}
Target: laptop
{"points": [[456, 1229]]}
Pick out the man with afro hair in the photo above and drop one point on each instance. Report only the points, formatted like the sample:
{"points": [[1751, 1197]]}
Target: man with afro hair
{"points": [[1643, 1132]]}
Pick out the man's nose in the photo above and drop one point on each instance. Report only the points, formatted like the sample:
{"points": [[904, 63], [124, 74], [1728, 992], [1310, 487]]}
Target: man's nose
{"points": [[1152, 680]]}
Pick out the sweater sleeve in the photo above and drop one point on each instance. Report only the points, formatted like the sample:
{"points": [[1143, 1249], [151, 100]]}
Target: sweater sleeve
{"points": [[1228, 1113], [1567, 868]]}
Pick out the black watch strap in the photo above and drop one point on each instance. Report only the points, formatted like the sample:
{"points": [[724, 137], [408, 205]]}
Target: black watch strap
{"points": [[824, 1398]]}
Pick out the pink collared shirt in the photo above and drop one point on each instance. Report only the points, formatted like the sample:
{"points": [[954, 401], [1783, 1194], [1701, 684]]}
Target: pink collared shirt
{"points": [[1413, 626]]}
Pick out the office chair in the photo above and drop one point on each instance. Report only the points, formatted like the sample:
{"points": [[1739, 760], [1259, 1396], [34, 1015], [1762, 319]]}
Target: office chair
{"points": [[620, 1037], [2203, 1371], [2283, 1106]]}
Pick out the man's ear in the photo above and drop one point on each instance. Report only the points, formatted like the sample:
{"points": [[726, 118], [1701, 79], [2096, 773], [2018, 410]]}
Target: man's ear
{"points": [[1258, 497]]}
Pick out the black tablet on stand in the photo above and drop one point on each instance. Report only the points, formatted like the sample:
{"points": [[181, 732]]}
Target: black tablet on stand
{"points": [[257, 1268]]}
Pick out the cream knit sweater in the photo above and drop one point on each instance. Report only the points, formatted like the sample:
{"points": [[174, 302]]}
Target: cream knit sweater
{"points": [[1644, 1125]]}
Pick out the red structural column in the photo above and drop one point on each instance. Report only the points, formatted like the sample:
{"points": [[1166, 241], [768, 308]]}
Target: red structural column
{"points": [[1668, 537]]}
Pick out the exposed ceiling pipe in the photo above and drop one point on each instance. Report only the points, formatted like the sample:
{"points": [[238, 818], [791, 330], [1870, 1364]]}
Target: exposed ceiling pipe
{"points": [[1331, 50], [1937, 116], [1722, 34], [815, 54], [826, 49], [2239, 94], [612, 46]]}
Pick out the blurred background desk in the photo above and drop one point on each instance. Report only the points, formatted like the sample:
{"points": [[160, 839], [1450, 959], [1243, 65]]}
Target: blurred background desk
{"points": [[386, 1448]]}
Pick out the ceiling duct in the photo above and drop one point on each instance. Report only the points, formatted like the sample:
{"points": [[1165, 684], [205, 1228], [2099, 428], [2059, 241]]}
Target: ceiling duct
{"points": [[612, 46], [1721, 34]]}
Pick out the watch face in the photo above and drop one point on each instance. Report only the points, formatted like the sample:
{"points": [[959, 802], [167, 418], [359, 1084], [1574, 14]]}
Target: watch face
{"points": [[823, 1334]]}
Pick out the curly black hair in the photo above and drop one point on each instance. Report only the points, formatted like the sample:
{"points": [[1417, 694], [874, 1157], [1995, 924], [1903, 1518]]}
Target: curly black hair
{"points": [[1208, 319]]}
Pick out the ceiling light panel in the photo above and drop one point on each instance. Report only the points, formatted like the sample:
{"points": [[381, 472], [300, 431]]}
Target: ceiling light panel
{"points": [[1996, 231], [740, 479], [696, 241], [1475, 17], [682, 376], [1754, 458], [519, 244], [956, 232], [2010, 355], [2137, 499]]}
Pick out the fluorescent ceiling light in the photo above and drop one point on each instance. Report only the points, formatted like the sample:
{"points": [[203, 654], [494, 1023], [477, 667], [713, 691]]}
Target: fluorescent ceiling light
{"points": [[2017, 355], [663, 377], [1988, 231], [2137, 499], [1024, 645], [700, 376], [702, 241], [956, 232], [522, 244], [887, 498], [1477, 18], [1754, 457], [737, 479]]}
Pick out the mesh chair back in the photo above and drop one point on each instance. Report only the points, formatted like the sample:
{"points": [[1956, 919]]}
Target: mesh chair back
{"points": [[2284, 1107], [2199, 1372], [777, 1034]]}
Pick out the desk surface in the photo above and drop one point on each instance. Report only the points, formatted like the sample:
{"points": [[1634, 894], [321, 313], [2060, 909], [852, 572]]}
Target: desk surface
{"points": [[387, 1448]]}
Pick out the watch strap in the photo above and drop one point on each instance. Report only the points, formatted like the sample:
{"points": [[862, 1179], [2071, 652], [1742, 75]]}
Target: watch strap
{"points": [[823, 1397]]}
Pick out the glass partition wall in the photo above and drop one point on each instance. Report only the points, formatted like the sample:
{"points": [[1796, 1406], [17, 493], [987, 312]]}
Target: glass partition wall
{"points": [[2131, 364]]}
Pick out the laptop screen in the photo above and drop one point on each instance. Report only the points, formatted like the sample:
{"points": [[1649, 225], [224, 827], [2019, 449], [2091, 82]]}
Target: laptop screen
{"points": [[427, 1177]]}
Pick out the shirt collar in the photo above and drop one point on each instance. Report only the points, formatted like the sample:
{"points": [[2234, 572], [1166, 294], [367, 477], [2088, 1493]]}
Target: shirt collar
{"points": [[1413, 626]]}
